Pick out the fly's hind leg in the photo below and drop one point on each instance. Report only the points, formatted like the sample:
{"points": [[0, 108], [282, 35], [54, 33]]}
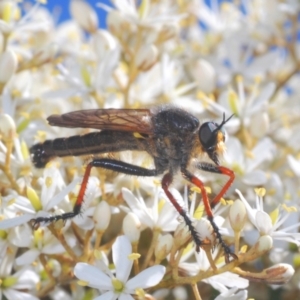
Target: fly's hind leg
{"points": [[109, 164]]}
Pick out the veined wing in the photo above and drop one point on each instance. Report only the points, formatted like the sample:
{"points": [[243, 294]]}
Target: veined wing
{"points": [[132, 120]]}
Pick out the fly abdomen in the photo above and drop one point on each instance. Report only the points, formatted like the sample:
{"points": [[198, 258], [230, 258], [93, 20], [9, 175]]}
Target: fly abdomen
{"points": [[91, 143], [76, 145], [39, 156]]}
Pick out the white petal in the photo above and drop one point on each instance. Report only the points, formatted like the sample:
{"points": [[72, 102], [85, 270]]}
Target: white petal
{"points": [[137, 207], [263, 97], [146, 278], [234, 152], [250, 211], [254, 178], [107, 296], [294, 164], [27, 257], [27, 279], [17, 295], [230, 280], [95, 277], [125, 297], [60, 196], [231, 295], [263, 222], [167, 219], [121, 249], [9, 223]]}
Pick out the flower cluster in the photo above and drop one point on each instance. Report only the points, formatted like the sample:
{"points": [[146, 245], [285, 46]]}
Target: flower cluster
{"points": [[129, 242]]}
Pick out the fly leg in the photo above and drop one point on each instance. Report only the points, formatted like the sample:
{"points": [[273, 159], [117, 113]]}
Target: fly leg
{"points": [[166, 182], [197, 182], [109, 164], [219, 170]]}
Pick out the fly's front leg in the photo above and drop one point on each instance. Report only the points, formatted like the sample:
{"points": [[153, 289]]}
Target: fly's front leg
{"points": [[219, 170], [109, 164], [197, 182]]}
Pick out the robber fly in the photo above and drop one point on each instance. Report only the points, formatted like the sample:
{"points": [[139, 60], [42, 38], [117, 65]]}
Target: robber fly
{"points": [[172, 136]]}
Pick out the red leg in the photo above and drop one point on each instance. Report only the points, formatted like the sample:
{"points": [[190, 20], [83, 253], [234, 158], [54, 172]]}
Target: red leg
{"points": [[166, 182], [230, 173], [197, 182], [109, 164], [219, 170]]}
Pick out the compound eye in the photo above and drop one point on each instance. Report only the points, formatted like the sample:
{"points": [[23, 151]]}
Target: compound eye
{"points": [[208, 134]]}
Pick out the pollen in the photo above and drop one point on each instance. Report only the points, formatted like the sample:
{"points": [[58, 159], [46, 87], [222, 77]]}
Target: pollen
{"points": [[40, 136], [98, 255], [274, 215], [161, 204], [140, 293], [48, 181], [82, 283], [198, 214], [289, 209], [195, 189], [261, 192], [134, 256], [138, 135], [289, 173], [233, 100], [249, 154], [239, 78]]}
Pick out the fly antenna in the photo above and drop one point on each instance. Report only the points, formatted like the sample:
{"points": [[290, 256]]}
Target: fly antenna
{"points": [[223, 122]]}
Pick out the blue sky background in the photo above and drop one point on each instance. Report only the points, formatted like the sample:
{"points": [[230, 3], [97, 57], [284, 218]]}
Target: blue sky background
{"points": [[62, 6]]}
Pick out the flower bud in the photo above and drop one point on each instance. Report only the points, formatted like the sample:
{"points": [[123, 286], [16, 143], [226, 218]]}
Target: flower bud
{"points": [[265, 243], [237, 215], [259, 125], [205, 231], [8, 65], [117, 24], [7, 126], [102, 215], [205, 75], [84, 15], [146, 57], [280, 273], [132, 227], [102, 42], [163, 246], [55, 267], [9, 11]]}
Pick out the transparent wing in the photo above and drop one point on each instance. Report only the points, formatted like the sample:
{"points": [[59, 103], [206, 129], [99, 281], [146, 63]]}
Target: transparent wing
{"points": [[133, 120]]}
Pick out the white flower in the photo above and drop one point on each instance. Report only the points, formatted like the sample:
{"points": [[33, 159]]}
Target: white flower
{"points": [[249, 168], [118, 286], [42, 241], [33, 206], [18, 285], [270, 226], [219, 282], [232, 294], [164, 218], [149, 15]]}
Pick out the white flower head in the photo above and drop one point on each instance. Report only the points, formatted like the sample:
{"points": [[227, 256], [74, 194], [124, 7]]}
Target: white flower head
{"points": [[119, 286]]}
